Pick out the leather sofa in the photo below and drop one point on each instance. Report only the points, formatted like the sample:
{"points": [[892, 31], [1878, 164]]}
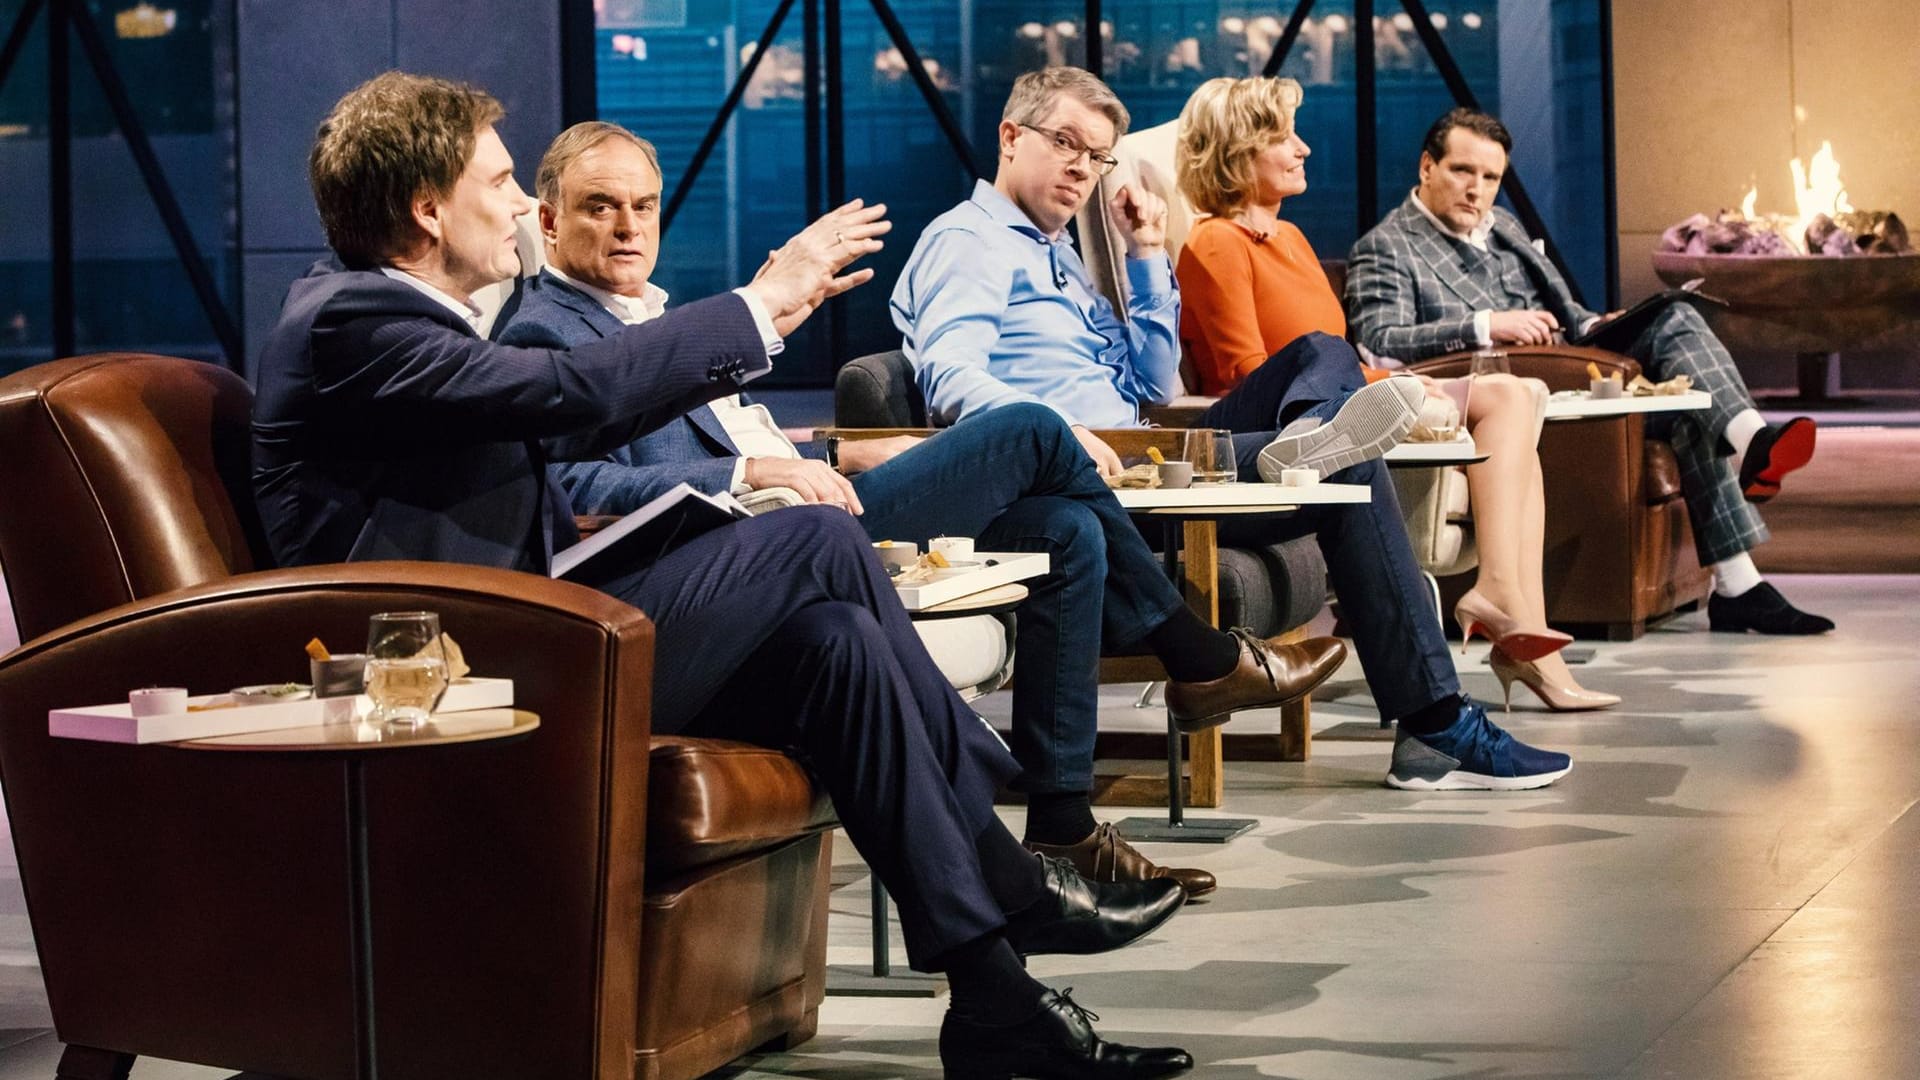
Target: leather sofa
{"points": [[587, 901], [1619, 547]]}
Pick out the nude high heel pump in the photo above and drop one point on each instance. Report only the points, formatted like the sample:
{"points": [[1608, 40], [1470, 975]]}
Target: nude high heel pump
{"points": [[1560, 697], [1476, 613]]}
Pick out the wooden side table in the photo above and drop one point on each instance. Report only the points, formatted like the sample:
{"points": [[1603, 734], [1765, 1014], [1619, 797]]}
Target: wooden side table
{"points": [[354, 744]]}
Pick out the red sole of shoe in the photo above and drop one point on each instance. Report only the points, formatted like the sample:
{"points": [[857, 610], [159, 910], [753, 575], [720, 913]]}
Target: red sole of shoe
{"points": [[1791, 451], [1525, 647]]}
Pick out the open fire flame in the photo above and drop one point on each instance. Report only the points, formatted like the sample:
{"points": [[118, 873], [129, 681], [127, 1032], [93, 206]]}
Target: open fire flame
{"points": [[1817, 190]]}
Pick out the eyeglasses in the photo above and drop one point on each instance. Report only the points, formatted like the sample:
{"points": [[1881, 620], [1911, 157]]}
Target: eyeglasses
{"points": [[1070, 149]]}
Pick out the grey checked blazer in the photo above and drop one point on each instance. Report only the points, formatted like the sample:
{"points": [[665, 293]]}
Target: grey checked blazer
{"points": [[1410, 297]]}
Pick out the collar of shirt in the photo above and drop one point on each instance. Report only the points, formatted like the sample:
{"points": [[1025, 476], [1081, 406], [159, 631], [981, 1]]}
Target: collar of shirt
{"points": [[1478, 237], [1001, 209], [650, 304], [468, 311]]}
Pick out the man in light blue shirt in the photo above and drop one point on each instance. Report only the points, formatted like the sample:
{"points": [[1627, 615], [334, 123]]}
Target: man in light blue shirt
{"points": [[996, 308]]}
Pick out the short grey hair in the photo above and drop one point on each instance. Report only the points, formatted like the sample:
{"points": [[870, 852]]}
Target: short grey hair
{"points": [[1034, 93], [577, 140]]}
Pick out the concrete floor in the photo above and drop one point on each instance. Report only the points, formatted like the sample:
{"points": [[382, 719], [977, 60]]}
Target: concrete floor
{"points": [[1723, 887]]}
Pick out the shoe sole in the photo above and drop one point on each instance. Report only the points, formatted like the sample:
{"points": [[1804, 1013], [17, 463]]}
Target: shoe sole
{"points": [[1791, 451], [1372, 422], [1461, 780]]}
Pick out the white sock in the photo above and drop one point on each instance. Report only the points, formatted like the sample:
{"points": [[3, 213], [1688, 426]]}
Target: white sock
{"points": [[1732, 577], [1740, 432]]}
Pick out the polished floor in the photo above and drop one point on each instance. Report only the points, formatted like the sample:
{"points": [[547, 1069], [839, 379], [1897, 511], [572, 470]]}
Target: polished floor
{"points": [[1724, 887]]}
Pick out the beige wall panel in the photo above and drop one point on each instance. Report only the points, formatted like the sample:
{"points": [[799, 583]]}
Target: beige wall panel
{"points": [[1856, 67], [1637, 278], [1703, 101]]}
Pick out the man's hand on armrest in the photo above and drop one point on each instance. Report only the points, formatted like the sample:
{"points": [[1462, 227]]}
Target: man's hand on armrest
{"points": [[1103, 456], [859, 455], [1523, 327], [801, 276], [815, 482]]}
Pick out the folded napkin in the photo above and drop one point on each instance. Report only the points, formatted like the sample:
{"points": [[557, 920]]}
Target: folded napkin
{"points": [[1144, 475]]}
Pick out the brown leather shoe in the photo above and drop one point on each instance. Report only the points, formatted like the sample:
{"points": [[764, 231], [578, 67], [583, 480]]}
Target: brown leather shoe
{"points": [[1268, 674], [1105, 857]]}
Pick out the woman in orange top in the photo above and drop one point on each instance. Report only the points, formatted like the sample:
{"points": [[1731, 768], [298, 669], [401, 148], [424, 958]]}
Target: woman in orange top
{"points": [[1250, 283]]}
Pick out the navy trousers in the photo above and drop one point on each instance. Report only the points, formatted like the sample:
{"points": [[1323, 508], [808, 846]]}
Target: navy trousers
{"points": [[1016, 479], [1383, 598], [784, 631]]}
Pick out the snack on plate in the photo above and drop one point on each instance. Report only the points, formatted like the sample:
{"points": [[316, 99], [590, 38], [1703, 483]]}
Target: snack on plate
{"points": [[318, 651]]}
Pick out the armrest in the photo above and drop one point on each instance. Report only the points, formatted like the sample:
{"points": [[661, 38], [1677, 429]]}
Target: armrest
{"points": [[1561, 367], [1182, 412]]}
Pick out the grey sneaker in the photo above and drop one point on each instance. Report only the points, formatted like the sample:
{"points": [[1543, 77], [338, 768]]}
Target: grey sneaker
{"points": [[1371, 422]]}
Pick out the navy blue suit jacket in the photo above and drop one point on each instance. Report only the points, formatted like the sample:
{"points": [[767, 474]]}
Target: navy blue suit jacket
{"points": [[692, 449], [384, 428]]}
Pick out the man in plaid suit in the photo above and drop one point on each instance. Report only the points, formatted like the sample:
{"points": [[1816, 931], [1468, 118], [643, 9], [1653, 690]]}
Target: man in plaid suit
{"points": [[1447, 270]]}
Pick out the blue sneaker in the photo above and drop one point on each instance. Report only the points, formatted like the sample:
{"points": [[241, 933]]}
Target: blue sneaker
{"points": [[1472, 755]]}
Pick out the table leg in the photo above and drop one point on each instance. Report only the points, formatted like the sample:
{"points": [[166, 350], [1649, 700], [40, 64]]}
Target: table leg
{"points": [[882, 956], [360, 917]]}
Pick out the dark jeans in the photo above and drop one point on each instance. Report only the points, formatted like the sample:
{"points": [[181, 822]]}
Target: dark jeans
{"points": [[784, 631], [1370, 562], [1016, 479]]}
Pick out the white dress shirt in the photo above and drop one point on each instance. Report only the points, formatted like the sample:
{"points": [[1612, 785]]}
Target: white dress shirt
{"points": [[466, 309], [751, 427]]}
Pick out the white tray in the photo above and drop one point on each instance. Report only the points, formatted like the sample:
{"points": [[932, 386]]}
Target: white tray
{"points": [[1010, 566], [1240, 496], [1582, 404], [116, 722]]}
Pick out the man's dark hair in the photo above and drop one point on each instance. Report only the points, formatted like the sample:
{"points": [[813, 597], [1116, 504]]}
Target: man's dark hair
{"points": [[390, 139], [1481, 124]]}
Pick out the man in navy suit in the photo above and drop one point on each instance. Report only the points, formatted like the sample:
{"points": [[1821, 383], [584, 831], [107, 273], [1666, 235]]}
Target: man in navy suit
{"points": [[385, 427], [1015, 479]]}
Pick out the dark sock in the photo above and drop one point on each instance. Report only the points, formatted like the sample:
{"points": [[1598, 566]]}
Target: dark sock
{"points": [[1059, 817], [1432, 719], [988, 982], [1014, 874], [1191, 650]]}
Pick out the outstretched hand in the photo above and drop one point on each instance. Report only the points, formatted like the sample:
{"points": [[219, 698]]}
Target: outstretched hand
{"points": [[806, 270]]}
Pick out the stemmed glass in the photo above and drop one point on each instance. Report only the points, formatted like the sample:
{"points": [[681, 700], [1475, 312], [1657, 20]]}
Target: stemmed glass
{"points": [[406, 666]]}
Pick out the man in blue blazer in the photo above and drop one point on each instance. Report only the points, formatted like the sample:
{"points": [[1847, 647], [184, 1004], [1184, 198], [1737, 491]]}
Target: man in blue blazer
{"points": [[1015, 479], [385, 427]]}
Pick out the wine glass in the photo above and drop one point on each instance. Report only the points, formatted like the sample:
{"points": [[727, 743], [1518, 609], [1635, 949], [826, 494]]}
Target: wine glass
{"points": [[406, 666], [1211, 452]]}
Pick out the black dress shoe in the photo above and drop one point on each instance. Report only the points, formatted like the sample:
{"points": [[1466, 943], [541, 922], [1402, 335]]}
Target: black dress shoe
{"points": [[1058, 1041], [1078, 916], [1763, 610], [1774, 452]]}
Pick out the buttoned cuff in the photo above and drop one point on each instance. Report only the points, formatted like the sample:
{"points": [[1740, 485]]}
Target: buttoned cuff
{"points": [[738, 485], [1152, 276], [1483, 327], [763, 322]]}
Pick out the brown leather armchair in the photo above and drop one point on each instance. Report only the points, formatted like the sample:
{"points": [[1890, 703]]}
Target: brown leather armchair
{"points": [[1619, 546], [587, 901]]}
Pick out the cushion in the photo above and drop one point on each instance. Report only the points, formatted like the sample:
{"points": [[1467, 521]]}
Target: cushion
{"points": [[713, 799]]}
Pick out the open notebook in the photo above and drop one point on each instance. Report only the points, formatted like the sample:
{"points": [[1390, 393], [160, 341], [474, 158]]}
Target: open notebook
{"points": [[640, 538]]}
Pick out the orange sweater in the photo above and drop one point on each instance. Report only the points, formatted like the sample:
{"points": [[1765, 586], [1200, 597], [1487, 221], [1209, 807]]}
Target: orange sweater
{"points": [[1243, 299]]}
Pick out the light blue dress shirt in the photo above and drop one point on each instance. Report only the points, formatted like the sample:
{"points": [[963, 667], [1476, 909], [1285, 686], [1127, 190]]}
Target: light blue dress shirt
{"points": [[993, 311]]}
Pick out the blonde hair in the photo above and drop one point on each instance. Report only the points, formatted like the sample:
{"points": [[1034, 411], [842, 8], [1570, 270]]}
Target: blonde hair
{"points": [[390, 139], [577, 140], [1223, 127], [1034, 92]]}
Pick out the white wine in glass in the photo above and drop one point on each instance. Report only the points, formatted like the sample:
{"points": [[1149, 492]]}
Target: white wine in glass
{"points": [[406, 666]]}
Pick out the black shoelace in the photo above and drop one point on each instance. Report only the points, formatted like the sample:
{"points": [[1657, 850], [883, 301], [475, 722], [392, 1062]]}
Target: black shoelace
{"points": [[1261, 654]]}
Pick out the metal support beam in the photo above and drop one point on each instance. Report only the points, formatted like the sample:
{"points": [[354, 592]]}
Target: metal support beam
{"points": [[60, 176], [17, 38], [725, 114], [1609, 182], [1288, 36], [121, 104], [836, 122], [579, 59], [1366, 126], [1096, 48], [917, 68]]}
